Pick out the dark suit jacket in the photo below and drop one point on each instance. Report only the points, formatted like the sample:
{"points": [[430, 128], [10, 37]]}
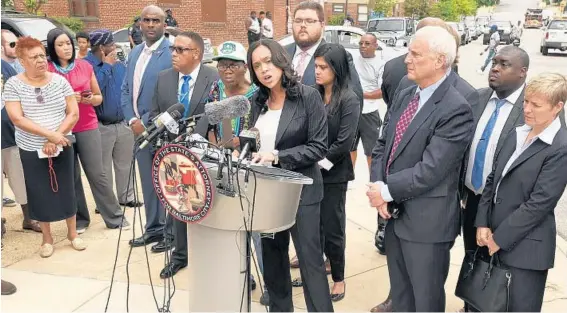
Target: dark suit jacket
{"points": [[309, 73], [165, 94], [341, 138], [462, 86], [394, 70], [523, 219], [424, 173], [301, 138]]}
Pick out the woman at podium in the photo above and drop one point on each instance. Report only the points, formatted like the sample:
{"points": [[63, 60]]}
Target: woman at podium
{"points": [[292, 123]]}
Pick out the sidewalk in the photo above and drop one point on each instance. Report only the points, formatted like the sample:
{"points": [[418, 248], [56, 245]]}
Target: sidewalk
{"points": [[72, 281]]}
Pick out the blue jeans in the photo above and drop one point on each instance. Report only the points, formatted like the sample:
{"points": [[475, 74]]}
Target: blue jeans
{"points": [[491, 54]]}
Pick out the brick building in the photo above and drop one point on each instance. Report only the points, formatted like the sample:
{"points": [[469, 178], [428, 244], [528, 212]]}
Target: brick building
{"points": [[218, 20]]}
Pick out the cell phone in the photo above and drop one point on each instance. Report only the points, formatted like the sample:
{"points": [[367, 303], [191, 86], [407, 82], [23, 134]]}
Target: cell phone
{"points": [[120, 56], [86, 93]]}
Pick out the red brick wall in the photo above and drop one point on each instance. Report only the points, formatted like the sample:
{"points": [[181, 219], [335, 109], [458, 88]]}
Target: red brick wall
{"points": [[352, 9], [115, 14]]}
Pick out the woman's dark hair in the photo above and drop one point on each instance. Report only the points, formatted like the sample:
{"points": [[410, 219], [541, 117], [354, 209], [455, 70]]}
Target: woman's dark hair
{"points": [[281, 60], [336, 57], [51, 37]]}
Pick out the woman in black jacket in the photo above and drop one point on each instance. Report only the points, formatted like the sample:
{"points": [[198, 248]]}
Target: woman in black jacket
{"points": [[343, 110], [292, 123]]}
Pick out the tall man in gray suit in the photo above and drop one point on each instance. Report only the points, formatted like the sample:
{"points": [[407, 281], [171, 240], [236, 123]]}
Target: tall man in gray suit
{"points": [[415, 170], [188, 83]]}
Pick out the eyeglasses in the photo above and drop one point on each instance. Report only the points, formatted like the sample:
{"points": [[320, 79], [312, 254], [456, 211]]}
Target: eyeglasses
{"points": [[232, 67], [38, 95], [180, 50], [309, 21], [12, 44]]}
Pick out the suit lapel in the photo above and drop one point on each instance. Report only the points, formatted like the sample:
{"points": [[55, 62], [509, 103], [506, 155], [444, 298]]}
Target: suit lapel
{"points": [[153, 64], [484, 95], [198, 89], [173, 86], [392, 126], [288, 112], [508, 147], [535, 147], [515, 118]]}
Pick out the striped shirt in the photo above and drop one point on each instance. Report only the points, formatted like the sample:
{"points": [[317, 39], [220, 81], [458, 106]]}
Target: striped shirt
{"points": [[49, 114]]}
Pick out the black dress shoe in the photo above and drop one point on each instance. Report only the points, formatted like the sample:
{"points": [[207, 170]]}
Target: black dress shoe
{"points": [[265, 298], [132, 204], [145, 240], [338, 296], [8, 288], [171, 269], [162, 246]]}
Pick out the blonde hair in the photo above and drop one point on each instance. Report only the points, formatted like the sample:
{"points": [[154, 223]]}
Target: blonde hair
{"points": [[551, 85]]}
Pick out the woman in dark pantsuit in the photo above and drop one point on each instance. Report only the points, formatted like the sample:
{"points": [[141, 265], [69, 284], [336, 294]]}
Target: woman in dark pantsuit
{"points": [[343, 110], [515, 216], [292, 123]]}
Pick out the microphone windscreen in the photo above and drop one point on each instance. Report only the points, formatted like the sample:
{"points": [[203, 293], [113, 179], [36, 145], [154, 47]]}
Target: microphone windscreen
{"points": [[229, 108], [177, 107]]}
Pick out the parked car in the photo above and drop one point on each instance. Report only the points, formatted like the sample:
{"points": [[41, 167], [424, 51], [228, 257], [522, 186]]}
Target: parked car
{"points": [[481, 23], [554, 36], [504, 29], [472, 29], [392, 29], [462, 31], [349, 37], [24, 24]]}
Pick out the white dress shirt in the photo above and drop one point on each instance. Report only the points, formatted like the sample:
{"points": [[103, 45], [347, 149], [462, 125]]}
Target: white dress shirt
{"points": [[194, 76], [267, 125], [547, 136], [267, 28], [503, 115]]}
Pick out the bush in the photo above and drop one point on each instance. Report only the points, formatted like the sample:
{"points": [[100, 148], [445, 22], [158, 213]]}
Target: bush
{"points": [[74, 24], [336, 20]]}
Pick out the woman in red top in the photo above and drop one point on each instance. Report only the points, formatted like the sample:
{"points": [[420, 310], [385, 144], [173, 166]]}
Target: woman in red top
{"points": [[80, 74]]}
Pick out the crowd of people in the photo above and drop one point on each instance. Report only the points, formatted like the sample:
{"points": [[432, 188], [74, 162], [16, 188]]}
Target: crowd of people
{"points": [[447, 159]]}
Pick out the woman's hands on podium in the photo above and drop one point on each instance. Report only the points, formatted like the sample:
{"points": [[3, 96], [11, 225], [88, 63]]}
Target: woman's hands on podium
{"points": [[263, 157]]}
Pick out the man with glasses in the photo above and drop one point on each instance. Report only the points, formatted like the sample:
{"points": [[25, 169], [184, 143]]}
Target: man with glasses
{"points": [[9, 41], [188, 83], [145, 62], [117, 138]]}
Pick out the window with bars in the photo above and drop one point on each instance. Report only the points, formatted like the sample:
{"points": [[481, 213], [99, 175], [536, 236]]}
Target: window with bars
{"points": [[362, 13], [213, 11], [338, 8], [83, 8]]}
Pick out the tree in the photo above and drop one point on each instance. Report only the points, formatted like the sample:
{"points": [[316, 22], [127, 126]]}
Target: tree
{"points": [[466, 7], [445, 10], [33, 6], [385, 6], [418, 8], [7, 3]]}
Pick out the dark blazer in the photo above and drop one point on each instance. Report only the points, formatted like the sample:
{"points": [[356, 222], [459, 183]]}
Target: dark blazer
{"points": [[424, 173], [394, 70], [309, 73], [165, 94], [523, 219], [301, 138], [462, 86], [341, 138], [159, 61]]}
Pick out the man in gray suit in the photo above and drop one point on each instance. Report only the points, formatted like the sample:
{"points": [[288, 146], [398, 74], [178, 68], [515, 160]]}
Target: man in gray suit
{"points": [[188, 83], [415, 170]]}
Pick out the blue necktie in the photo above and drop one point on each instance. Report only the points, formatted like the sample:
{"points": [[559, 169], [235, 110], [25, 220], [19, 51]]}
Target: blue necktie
{"points": [[184, 94], [480, 154]]}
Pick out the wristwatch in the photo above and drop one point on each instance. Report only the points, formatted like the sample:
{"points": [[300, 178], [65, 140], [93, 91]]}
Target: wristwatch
{"points": [[276, 153]]}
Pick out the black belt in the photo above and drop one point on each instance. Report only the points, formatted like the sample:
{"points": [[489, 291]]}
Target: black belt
{"points": [[105, 123]]}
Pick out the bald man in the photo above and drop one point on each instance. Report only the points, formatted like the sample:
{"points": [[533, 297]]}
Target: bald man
{"points": [[462, 86]]}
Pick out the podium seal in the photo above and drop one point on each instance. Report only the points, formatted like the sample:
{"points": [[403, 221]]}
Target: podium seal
{"points": [[182, 183]]}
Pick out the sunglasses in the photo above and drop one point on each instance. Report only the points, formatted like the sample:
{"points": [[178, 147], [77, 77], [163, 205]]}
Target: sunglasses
{"points": [[179, 50], [38, 95], [12, 44]]}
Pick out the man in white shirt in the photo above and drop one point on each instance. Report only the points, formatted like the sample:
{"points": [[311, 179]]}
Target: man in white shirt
{"points": [[370, 69], [268, 26], [252, 28]]}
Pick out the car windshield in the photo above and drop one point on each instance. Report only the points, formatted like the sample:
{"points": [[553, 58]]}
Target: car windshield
{"points": [[36, 28], [558, 25], [386, 25]]}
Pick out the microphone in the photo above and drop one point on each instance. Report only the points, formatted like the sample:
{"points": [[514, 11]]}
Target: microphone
{"points": [[166, 120], [249, 142], [229, 108], [159, 120]]}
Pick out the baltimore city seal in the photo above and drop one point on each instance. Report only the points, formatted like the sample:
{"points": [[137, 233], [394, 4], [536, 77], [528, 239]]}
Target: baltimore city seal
{"points": [[182, 183]]}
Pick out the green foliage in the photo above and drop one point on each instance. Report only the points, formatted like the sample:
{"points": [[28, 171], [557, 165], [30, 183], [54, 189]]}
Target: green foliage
{"points": [[417, 8], [336, 20], [33, 6], [445, 10], [487, 3], [74, 24], [466, 7], [7, 3], [385, 6]]}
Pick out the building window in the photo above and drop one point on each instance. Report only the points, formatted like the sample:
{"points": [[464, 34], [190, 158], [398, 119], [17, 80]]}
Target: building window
{"points": [[83, 8], [362, 13], [338, 8], [213, 11]]}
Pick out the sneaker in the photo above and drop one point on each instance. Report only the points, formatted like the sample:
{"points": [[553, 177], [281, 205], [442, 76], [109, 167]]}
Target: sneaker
{"points": [[7, 202], [126, 225], [81, 230]]}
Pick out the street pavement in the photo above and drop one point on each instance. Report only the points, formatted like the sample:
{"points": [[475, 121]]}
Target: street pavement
{"points": [[72, 281]]}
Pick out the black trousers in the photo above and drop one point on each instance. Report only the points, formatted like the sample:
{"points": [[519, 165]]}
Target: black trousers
{"points": [[179, 230], [306, 238], [418, 272], [333, 224], [469, 216]]}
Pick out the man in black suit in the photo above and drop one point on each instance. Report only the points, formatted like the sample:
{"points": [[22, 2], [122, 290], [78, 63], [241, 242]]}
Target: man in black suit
{"points": [[189, 83], [394, 71], [308, 28], [415, 170]]}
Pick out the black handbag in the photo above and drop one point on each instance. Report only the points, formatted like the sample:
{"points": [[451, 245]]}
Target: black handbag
{"points": [[484, 285]]}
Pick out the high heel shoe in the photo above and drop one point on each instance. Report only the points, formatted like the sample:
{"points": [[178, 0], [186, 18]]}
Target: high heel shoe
{"points": [[338, 296]]}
